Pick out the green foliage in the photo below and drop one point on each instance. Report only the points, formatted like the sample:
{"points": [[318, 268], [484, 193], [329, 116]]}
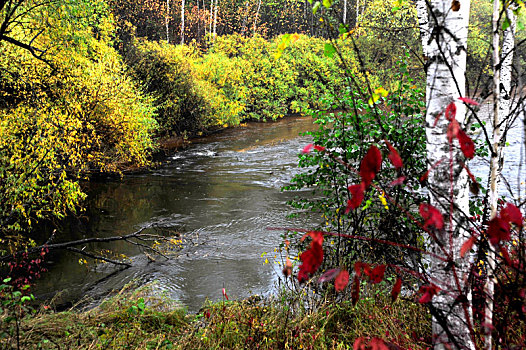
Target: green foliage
{"points": [[347, 135]]}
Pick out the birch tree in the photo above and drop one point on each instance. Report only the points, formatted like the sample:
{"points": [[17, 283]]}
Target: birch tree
{"points": [[182, 21], [448, 180]]}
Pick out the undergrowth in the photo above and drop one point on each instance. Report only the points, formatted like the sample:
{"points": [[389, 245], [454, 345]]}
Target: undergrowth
{"points": [[137, 319]]}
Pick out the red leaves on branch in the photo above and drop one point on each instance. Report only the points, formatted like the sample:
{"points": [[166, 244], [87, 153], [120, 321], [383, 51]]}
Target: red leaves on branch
{"points": [[429, 292], [451, 111], [512, 214], [394, 157], [498, 230], [311, 258], [466, 144], [358, 266], [357, 194], [370, 166], [377, 274], [310, 146], [468, 101], [395, 292], [466, 247], [432, 216], [341, 280], [355, 291]]}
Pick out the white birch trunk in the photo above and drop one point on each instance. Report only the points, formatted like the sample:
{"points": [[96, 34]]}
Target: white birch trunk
{"points": [[215, 20], [211, 15], [423, 24], [357, 11], [167, 21], [448, 181], [257, 15], [182, 21], [345, 12], [501, 111]]}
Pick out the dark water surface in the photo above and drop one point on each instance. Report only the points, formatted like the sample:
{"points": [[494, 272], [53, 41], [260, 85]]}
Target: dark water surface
{"points": [[221, 193]]}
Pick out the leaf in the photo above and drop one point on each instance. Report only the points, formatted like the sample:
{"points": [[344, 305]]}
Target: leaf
{"points": [[311, 258], [468, 101], [466, 247], [370, 165], [377, 274], [506, 23], [395, 292], [319, 148], [399, 181], [327, 3], [512, 214], [287, 270], [316, 7], [357, 195], [378, 344], [466, 144], [451, 111], [394, 157], [358, 266], [341, 280], [429, 292], [329, 275], [452, 130], [224, 293], [329, 50], [455, 5], [373, 99], [498, 230], [381, 91], [431, 216], [308, 148], [355, 290], [505, 256], [358, 344]]}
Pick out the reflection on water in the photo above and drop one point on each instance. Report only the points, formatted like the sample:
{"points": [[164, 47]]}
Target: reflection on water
{"points": [[223, 192]]}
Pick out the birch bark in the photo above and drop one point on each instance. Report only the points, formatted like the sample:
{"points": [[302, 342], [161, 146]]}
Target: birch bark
{"points": [[423, 24], [448, 181], [167, 21], [182, 21]]}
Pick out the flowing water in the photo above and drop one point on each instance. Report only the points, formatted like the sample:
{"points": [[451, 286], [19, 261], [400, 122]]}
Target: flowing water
{"points": [[219, 195]]}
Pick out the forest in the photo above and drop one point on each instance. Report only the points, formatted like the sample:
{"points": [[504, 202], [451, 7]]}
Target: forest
{"points": [[415, 248]]}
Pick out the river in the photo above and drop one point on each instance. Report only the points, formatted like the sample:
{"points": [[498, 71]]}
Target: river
{"points": [[219, 195]]}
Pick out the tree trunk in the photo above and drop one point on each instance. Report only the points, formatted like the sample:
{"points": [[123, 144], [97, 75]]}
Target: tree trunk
{"points": [[215, 19], [245, 18], [501, 111], [448, 181], [182, 21], [345, 12], [257, 15], [423, 24], [167, 21]]}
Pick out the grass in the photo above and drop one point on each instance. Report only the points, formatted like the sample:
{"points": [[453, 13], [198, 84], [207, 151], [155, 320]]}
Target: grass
{"points": [[134, 319]]}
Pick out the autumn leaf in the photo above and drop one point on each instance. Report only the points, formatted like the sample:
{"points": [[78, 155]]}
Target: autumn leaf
{"points": [[341, 280], [224, 293], [377, 274], [431, 216], [308, 148], [394, 157], [512, 214], [451, 111], [357, 195], [311, 258], [358, 344], [370, 165], [319, 148], [498, 230], [505, 255], [466, 144], [468, 101], [399, 181], [395, 292], [452, 130], [466, 247], [287, 270], [428, 292], [378, 344], [358, 266]]}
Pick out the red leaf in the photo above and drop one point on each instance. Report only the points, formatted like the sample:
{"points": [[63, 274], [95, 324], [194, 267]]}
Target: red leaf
{"points": [[468, 101], [378, 344], [432, 216], [329, 275], [466, 247], [370, 165], [358, 344], [357, 194], [437, 118], [308, 148], [428, 293], [224, 293], [466, 144], [512, 214], [498, 230], [358, 266], [355, 291], [287, 270], [319, 148], [394, 157], [377, 275], [397, 182], [395, 292], [341, 280], [451, 111], [452, 130], [311, 258]]}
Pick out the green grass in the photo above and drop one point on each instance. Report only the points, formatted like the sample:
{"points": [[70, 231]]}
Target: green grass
{"points": [[134, 319]]}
